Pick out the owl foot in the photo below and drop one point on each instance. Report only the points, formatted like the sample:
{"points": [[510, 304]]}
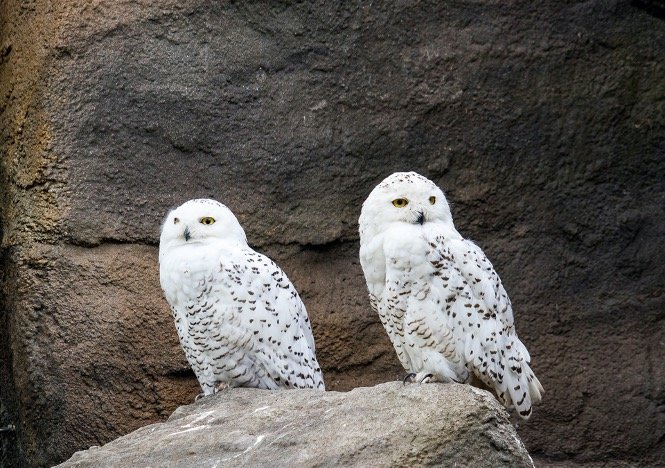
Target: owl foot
{"points": [[408, 377], [199, 396], [419, 377], [427, 378], [221, 386]]}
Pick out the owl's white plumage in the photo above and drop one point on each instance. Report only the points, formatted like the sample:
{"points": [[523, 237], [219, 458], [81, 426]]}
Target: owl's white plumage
{"points": [[239, 319], [438, 296]]}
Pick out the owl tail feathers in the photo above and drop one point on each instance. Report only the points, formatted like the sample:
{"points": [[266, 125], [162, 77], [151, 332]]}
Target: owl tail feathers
{"points": [[524, 390], [535, 388]]}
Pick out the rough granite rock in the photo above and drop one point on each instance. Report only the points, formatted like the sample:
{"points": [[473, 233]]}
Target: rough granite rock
{"points": [[544, 122], [390, 424]]}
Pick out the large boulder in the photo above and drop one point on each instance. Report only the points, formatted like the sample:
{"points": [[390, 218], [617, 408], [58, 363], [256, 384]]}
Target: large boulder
{"points": [[387, 425], [542, 121]]}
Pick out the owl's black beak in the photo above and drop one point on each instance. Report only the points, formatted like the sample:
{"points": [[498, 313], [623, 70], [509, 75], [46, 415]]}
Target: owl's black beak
{"points": [[421, 218], [188, 235]]}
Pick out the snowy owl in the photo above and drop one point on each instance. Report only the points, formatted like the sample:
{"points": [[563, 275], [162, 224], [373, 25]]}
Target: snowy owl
{"points": [[438, 296], [240, 321]]}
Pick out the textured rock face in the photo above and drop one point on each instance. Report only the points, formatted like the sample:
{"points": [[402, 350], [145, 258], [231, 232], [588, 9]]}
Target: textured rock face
{"points": [[543, 123], [387, 425]]}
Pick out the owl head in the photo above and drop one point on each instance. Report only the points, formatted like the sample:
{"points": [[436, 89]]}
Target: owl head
{"points": [[403, 197], [201, 221]]}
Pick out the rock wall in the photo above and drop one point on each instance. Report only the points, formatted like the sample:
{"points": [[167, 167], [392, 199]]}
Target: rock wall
{"points": [[543, 122]]}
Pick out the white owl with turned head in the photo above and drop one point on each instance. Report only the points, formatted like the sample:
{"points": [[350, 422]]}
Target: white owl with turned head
{"points": [[438, 296], [240, 321]]}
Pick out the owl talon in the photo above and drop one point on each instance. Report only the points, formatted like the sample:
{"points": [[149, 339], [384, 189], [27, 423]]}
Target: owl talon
{"points": [[199, 396], [426, 377], [221, 386], [408, 377]]}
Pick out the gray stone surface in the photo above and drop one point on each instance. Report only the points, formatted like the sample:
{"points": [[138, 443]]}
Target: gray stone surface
{"points": [[544, 122], [387, 425]]}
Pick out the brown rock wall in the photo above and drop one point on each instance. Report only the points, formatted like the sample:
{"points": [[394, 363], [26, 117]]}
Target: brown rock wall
{"points": [[543, 122]]}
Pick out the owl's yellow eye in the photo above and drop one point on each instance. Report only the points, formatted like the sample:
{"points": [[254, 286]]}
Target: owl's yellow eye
{"points": [[432, 200], [400, 202], [207, 220], [176, 220]]}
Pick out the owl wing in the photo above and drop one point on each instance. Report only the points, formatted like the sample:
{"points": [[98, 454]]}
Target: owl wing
{"points": [[384, 295], [271, 313], [391, 309], [480, 316]]}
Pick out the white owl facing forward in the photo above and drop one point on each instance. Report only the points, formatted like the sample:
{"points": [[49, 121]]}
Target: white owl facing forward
{"points": [[438, 297], [239, 319]]}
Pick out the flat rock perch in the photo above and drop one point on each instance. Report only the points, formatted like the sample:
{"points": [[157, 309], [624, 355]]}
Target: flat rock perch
{"points": [[387, 425]]}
